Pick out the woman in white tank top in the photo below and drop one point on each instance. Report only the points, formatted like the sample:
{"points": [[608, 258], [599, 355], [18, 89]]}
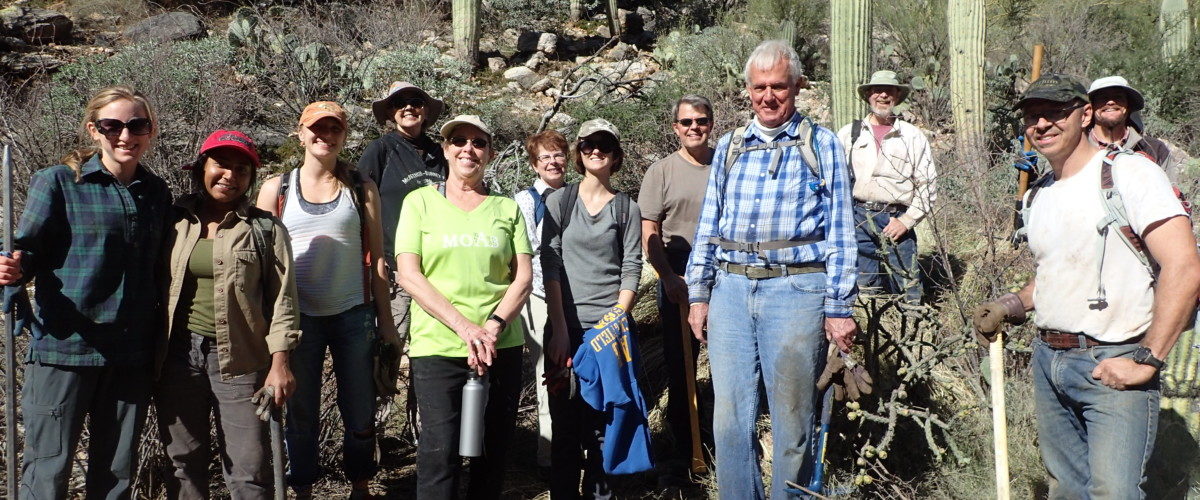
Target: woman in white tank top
{"points": [[343, 291]]}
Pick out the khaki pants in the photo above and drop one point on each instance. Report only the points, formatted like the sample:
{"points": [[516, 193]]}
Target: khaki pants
{"points": [[533, 320]]}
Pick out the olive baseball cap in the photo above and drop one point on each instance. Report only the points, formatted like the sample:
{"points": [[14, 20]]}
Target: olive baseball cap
{"points": [[596, 125], [1054, 87]]}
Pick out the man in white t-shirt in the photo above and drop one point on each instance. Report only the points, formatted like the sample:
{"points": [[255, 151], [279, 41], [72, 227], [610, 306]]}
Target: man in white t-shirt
{"points": [[1105, 320]]}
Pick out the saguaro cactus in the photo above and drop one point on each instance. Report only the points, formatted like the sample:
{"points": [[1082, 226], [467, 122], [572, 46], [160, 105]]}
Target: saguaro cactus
{"points": [[850, 55], [614, 23], [465, 15], [966, 29], [1175, 25]]}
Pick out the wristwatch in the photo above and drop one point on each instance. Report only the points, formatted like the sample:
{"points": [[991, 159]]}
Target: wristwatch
{"points": [[504, 324], [1143, 356]]}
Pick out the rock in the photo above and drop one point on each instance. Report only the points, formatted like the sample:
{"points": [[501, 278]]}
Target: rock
{"points": [[8, 43], [524, 104], [648, 18], [631, 22], [521, 75], [604, 32], [621, 51], [513, 86], [551, 92], [496, 64], [488, 45], [637, 69], [536, 60], [528, 41], [167, 27], [29, 64], [563, 121], [540, 85], [547, 43], [510, 37], [36, 26]]}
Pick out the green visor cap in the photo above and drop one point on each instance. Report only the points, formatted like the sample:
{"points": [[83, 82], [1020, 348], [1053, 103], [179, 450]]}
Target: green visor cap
{"points": [[1054, 87]]}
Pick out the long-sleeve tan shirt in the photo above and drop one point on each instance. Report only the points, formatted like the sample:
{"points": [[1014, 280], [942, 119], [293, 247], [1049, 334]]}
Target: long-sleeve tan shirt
{"points": [[900, 170]]}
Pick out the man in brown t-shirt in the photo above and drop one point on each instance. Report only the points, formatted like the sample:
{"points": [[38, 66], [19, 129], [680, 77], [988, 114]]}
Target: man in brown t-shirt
{"points": [[670, 199]]}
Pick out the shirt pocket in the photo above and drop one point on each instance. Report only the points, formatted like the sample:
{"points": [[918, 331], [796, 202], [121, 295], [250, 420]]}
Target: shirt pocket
{"points": [[247, 270]]}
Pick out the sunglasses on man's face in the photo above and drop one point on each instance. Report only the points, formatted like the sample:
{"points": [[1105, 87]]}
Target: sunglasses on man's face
{"points": [[587, 146], [404, 102], [687, 122], [113, 126], [1052, 115], [460, 141]]}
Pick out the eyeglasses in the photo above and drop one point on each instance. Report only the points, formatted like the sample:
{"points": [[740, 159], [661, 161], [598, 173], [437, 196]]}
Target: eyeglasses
{"points": [[587, 146], [549, 157], [403, 102], [1052, 115], [113, 126], [460, 141], [687, 122]]}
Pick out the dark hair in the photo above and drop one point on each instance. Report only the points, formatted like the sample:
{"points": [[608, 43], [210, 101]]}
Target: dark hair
{"points": [[196, 175], [618, 155], [548, 140], [694, 100]]}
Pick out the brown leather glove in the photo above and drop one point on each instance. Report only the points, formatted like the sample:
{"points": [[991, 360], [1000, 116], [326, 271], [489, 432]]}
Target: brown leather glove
{"points": [[990, 316], [850, 379], [387, 368]]}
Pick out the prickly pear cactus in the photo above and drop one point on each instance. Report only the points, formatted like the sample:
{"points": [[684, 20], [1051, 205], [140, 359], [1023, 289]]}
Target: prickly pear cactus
{"points": [[850, 55], [466, 29], [1175, 26], [966, 30]]}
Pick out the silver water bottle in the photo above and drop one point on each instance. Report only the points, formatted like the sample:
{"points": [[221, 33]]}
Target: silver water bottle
{"points": [[470, 433]]}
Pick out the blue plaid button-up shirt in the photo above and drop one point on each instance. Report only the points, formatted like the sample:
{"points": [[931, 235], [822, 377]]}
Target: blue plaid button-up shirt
{"points": [[92, 249], [751, 205]]}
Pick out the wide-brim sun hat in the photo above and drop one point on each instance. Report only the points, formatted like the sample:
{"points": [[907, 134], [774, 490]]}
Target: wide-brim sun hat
{"points": [[384, 110], [884, 78], [1136, 101], [461, 120], [231, 139], [596, 125]]}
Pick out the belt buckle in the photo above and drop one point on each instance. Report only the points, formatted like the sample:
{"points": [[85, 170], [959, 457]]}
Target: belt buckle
{"points": [[757, 273]]}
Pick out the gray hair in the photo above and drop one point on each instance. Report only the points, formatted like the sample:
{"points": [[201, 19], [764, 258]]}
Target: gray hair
{"points": [[771, 52], [695, 101]]}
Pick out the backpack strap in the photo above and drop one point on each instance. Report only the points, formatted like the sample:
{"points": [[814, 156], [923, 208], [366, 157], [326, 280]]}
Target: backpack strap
{"points": [[285, 181], [360, 202], [571, 193], [262, 230], [805, 142], [1116, 217], [856, 128], [622, 201]]}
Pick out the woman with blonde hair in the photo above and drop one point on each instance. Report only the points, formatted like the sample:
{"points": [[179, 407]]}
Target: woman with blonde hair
{"points": [[332, 214], [89, 228]]}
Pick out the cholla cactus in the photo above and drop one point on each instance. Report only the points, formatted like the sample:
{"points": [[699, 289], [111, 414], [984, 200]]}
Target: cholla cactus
{"points": [[850, 55], [1175, 26], [966, 32], [465, 15]]}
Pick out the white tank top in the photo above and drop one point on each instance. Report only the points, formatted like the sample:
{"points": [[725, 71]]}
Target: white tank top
{"points": [[327, 249]]}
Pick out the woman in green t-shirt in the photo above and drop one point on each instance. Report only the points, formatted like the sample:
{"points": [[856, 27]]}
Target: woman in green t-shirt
{"points": [[464, 256]]}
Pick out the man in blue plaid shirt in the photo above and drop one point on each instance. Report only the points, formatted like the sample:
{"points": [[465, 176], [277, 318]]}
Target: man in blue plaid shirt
{"points": [[772, 273]]}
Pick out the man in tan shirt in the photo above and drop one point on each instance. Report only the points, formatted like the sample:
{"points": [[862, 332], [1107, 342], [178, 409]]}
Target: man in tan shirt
{"points": [[895, 185]]}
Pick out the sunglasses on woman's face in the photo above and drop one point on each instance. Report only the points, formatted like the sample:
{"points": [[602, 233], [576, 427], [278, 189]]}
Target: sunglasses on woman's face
{"points": [[587, 146], [687, 122], [460, 141], [113, 126], [404, 102]]}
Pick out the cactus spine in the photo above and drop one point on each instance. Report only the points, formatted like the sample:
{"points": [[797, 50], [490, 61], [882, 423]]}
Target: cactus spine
{"points": [[465, 15], [1175, 25], [966, 30], [850, 55]]}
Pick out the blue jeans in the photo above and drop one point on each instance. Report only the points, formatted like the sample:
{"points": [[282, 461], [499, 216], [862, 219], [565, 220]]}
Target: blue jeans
{"points": [[349, 336], [769, 331], [1094, 440], [901, 275]]}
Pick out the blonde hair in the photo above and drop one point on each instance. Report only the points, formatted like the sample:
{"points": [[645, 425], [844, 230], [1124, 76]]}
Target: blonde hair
{"points": [[91, 113]]}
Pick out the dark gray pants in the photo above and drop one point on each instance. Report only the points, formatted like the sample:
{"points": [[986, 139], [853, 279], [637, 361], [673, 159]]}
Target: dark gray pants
{"points": [[190, 389], [55, 400]]}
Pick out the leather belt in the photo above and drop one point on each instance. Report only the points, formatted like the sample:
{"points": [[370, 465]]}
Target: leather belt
{"points": [[879, 206], [762, 273], [1064, 340]]}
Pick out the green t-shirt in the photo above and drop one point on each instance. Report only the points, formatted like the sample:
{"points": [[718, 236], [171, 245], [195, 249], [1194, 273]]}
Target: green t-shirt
{"points": [[468, 257], [201, 310]]}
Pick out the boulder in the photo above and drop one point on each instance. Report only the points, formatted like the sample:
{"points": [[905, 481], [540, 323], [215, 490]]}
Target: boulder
{"points": [[540, 85], [621, 51], [521, 75], [29, 64], [528, 41], [496, 64], [36, 26], [167, 27], [535, 61], [648, 18], [547, 43], [631, 22]]}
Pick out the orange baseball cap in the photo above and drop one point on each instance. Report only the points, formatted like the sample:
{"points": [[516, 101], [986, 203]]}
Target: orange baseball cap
{"points": [[323, 109]]}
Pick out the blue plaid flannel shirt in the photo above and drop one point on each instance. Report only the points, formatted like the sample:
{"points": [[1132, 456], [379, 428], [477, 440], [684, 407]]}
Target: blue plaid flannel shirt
{"points": [[752, 206], [91, 247]]}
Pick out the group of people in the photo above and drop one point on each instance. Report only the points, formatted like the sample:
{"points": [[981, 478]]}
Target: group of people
{"points": [[761, 244]]}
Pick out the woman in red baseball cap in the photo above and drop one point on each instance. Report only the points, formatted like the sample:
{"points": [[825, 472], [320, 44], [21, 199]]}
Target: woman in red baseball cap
{"points": [[232, 323]]}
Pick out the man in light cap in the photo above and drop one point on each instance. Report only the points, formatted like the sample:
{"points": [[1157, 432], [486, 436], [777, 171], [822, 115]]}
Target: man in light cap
{"points": [[895, 185], [1098, 349], [1117, 109]]}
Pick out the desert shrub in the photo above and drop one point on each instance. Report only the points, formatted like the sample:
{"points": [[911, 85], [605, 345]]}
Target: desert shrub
{"points": [[528, 14]]}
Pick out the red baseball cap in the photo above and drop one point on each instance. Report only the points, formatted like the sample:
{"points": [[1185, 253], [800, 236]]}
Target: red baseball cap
{"points": [[228, 139]]}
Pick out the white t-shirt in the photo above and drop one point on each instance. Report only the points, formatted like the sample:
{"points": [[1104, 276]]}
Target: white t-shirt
{"points": [[1063, 237]]}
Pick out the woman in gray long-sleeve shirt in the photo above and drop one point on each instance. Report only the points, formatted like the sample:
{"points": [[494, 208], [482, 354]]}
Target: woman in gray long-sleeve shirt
{"points": [[591, 261]]}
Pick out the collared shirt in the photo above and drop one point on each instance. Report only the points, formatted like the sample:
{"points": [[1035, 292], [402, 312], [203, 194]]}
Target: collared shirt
{"points": [[750, 205], [534, 230], [91, 246], [247, 334], [1170, 158], [898, 170]]}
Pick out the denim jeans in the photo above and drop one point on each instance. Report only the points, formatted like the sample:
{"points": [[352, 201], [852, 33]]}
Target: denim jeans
{"points": [[349, 336], [769, 331], [1094, 440], [189, 389], [901, 274]]}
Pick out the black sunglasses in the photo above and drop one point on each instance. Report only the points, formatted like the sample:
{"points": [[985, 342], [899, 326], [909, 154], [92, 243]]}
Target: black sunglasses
{"points": [[113, 126], [587, 146], [1053, 115], [403, 102], [460, 141], [687, 122]]}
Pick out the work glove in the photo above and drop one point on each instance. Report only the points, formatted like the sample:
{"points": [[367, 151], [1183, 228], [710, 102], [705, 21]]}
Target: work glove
{"points": [[561, 381], [387, 368], [1027, 161], [265, 400], [990, 316], [850, 379]]}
